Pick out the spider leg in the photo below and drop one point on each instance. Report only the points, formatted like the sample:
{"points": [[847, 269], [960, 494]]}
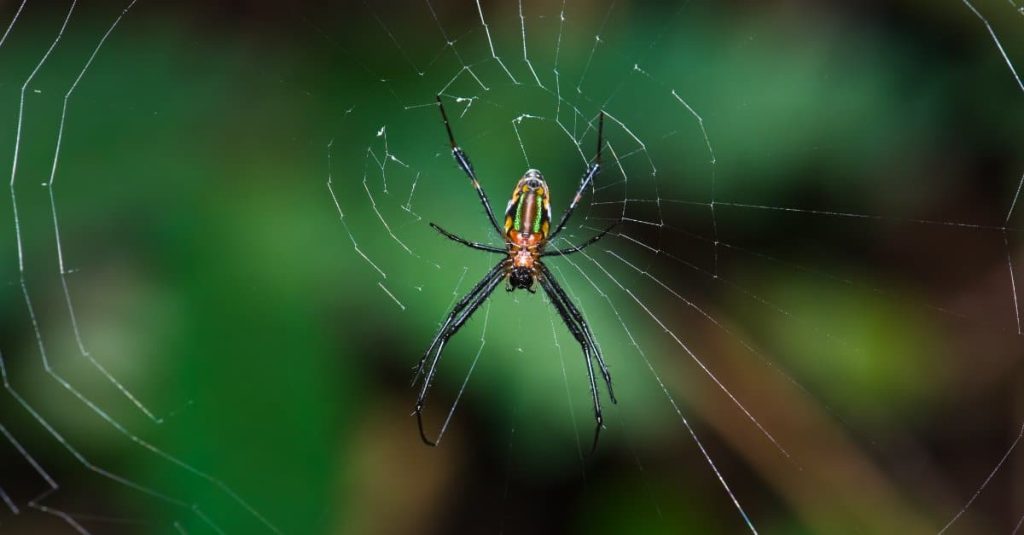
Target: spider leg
{"points": [[592, 170], [497, 270], [582, 246], [581, 331], [463, 160], [456, 319], [585, 344], [467, 243], [463, 318], [578, 316]]}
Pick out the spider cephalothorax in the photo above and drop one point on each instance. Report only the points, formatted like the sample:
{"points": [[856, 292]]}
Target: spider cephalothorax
{"points": [[526, 232]]}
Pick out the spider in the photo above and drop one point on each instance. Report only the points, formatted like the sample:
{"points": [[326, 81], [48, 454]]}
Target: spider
{"points": [[526, 232]]}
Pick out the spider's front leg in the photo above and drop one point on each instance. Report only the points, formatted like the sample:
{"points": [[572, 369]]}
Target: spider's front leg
{"points": [[463, 160], [592, 170]]}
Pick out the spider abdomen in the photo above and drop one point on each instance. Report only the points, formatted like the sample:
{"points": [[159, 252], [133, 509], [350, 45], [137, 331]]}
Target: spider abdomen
{"points": [[529, 210], [527, 223]]}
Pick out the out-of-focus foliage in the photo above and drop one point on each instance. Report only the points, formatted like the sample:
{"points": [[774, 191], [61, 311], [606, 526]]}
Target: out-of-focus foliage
{"points": [[213, 278]]}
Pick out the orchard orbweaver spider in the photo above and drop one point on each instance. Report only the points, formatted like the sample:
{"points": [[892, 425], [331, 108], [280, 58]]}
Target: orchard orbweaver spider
{"points": [[526, 232]]}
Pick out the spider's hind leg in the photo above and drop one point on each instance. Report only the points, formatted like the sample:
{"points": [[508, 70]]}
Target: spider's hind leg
{"points": [[449, 322], [581, 331], [458, 317]]}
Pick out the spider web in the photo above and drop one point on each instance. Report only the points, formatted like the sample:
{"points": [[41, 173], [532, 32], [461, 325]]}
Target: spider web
{"points": [[52, 393], [757, 271], [681, 288]]}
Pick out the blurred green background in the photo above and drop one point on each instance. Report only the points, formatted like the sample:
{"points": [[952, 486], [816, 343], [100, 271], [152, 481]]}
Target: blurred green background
{"points": [[839, 259]]}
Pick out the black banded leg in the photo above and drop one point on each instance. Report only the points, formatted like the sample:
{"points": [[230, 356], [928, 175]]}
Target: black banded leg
{"points": [[579, 329], [585, 345], [597, 351], [467, 243], [455, 321], [584, 327], [582, 246], [453, 327], [459, 322], [592, 170], [453, 315], [463, 160]]}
